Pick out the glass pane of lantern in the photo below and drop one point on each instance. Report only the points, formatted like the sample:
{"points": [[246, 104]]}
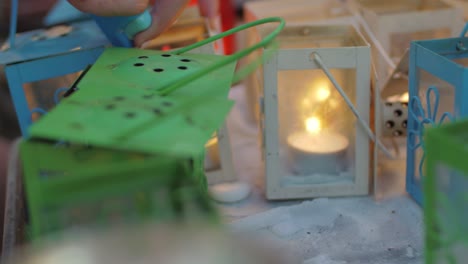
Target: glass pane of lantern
{"points": [[41, 94], [428, 117], [399, 42], [451, 215], [316, 127]]}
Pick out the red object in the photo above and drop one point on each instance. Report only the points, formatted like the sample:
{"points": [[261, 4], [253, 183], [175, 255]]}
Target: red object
{"points": [[228, 21]]}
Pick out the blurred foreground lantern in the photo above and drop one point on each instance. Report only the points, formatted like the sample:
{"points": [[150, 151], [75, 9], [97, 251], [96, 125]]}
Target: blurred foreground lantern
{"points": [[311, 12], [446, 196], [438, 76], [312, 143], [396, 23]]}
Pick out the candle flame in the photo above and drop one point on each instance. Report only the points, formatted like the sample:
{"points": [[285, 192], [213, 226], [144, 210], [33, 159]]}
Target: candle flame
{"points": [[313, 125], [404, 97], [323, 93]]}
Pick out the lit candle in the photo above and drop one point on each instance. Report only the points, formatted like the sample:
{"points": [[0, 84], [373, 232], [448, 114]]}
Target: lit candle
{"points": [[316, 151]]}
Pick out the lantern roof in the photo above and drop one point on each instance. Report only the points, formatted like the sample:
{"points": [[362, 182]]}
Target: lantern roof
{"points": [[118, 105], [397, 81]]}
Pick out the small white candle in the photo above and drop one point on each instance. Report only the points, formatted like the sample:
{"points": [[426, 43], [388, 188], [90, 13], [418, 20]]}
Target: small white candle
{"points": [[319, 152]]}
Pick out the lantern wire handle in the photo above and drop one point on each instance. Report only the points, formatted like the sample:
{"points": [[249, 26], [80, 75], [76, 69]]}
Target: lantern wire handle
{"points": [[463, 32], [375, 41], [229, 59], [340, 90], [13, 22]]}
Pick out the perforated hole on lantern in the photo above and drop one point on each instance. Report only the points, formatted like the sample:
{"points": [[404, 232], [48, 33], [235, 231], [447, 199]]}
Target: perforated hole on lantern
{"points": [[158, 70], [189, 120], [166, 55], [404, 123], [185, 60], [130, 115], [182, 68], [157, 111], [167, 103], [143, 57], [77, 126], [389, 124], [397, 133], [110, 106], [398, 112], [139, 64]]}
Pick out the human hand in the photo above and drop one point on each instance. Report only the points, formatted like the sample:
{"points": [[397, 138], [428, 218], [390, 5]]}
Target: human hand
{"points": [[164, 12]]}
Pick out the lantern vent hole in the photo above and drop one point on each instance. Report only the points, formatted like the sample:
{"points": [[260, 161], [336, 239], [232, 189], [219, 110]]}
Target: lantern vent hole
{"points": [[158, 70], [398, 112], [110, 106], [182, 67], [139, 64], [130, 115]]}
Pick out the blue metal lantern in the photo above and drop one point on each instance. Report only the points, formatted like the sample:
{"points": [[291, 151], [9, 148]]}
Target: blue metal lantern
{"points": [[438, 83], [49, 53], [43, 54]]}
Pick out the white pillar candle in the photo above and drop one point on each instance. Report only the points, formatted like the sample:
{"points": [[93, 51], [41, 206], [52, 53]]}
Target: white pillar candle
{"points": [[322, 152]]}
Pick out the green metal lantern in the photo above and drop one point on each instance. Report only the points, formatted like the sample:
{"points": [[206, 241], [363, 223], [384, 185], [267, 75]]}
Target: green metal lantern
{"points": [[127, 141], [446, 194]]}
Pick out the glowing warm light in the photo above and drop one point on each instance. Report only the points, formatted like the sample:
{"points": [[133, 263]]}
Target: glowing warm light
{"points": [[404, 97], [313, 125], [323, 93], [306, 102]]}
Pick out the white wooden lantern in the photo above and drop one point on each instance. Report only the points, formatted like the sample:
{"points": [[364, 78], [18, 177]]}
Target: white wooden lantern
{"points": [[293, 11], [313, 145], [396, 23], [462, 4]]}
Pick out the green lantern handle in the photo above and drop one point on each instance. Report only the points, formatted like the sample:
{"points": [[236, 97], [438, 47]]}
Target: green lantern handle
{"points": [[229, 59]]}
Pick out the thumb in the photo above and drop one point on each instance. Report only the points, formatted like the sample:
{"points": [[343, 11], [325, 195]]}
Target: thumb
{"points": [[164, 13]]}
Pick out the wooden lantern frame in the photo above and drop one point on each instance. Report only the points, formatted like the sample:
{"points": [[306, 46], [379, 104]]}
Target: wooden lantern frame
{"points": [[386, 18], [351, 57], [312, 12]]}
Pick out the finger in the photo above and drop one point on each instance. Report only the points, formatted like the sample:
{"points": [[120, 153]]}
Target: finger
{"points": [[209, 8], [164, 13], [111, 7]]}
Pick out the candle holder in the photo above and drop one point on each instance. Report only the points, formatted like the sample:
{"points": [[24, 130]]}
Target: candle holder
{"points": [[445, 196], [437, 91], [395, 24], [313, 12], [313, 145]]}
